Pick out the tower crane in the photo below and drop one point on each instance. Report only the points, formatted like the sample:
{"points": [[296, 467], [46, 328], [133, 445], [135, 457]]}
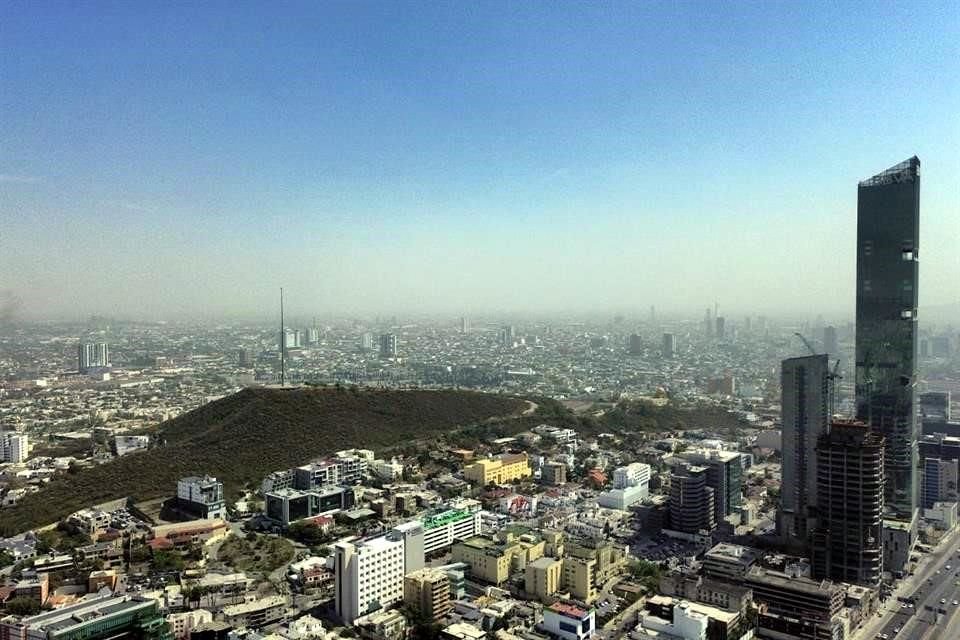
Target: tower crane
{"points": [[833, 376]]}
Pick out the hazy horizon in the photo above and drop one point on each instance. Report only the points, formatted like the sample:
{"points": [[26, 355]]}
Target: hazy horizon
{"points": [[187, 162]]}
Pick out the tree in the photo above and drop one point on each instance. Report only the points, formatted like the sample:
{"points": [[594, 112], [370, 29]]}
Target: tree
{"points": [[22, 606], [6, 558], [167, 561]]}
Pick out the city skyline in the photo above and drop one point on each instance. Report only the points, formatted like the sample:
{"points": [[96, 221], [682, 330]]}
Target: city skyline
{"points": [[372, 159]]}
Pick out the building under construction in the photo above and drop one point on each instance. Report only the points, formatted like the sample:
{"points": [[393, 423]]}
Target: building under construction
{"points": [[846, 545]]}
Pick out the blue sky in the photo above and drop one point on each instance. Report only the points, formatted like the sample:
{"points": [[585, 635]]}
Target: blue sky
{"points": [[189, 158]]}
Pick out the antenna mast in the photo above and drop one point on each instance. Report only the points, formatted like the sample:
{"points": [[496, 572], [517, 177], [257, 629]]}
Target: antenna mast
{"points": [[283, 343]]}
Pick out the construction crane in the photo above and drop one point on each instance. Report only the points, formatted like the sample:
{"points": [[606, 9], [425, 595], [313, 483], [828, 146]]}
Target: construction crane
{"points": [[806, 343], [833, 376]]}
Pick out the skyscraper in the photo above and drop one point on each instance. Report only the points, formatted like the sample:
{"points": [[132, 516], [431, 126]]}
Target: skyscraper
{"points": [[388, 345], [804, 397], [720, 326], [830, 344], [708, 323], [669, 347], [888, 207], [846, 545], [92, 355]]}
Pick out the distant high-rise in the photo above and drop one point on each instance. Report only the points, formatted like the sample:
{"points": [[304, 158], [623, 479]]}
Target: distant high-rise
{"points": [[804, 384], [636, 345], [708, 323], [669, 348], [243, 358], [92, 355], [388, 345], [464, 325], [888, 211], [720, 326], [830, 344], [846, 545], [366, 341], [507, 336]]}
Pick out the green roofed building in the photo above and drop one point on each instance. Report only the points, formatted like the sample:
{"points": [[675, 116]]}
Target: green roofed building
{"points": [[94, 619]]}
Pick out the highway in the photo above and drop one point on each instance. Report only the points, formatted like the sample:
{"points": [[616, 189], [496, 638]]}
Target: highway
{"points": [[935, 598]]}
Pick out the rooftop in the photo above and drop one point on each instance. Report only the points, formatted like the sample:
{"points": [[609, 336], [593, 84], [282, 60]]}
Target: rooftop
{"points": [[906, 171], [569, 610]]}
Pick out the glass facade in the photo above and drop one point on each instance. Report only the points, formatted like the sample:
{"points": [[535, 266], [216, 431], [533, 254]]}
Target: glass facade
{"points": [[888, 207]]}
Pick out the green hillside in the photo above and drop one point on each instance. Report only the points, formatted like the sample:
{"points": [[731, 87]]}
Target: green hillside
{"points": [[241, 438]]}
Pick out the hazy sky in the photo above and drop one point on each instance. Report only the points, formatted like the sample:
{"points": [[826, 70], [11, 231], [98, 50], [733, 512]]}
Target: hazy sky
{"points": [[166, 159]]}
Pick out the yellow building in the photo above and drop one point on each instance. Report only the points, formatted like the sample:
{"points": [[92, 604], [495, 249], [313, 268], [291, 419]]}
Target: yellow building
{"points": [[543, 577], [611, 559], [494, 559], [504, 468], [427, 591], [579, 578]]}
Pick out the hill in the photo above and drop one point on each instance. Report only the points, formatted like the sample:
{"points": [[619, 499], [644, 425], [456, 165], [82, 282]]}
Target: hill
{"points": [[241, 438]]}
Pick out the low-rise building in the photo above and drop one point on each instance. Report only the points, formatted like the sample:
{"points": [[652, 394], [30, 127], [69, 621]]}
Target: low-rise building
{"points": [[97, 618], [201, 497], [795, 607], [568, 621], [502, 469], [256, 613], [728, 562], [183, 623]]}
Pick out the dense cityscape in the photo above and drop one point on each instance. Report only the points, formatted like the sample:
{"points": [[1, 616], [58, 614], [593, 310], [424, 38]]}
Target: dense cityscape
{"points": [[719, 477], [490, 320]]}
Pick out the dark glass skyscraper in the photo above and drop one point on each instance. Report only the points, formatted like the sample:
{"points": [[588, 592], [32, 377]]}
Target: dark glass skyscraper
{"points": [[888, 207]]}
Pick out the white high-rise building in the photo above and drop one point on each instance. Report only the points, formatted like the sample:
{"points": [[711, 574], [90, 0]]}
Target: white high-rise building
{"points": [[14, 447], [369, 573]]}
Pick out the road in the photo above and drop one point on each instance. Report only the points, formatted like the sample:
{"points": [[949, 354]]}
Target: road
{"points": [[932, 583]]}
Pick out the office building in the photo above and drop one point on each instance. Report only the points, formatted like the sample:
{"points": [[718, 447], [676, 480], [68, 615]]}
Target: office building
{"points": [[201, 497], [888, 212], [669, 347], [830, 344], [692, 502], [846, 546], [427, 592], [796, 607], [353, 465], [507, 336], [724, 476], [441, 530], [504, 468], [316, 474], [631, 485], [290, 505], [312, 334], [543, 577], [721, 329], [554, 473], [96, 618], [369, 574], [491, 559], [805, 388], [243, 358], [14, 447], [635, 348], [676, 620], [568, 622], [728, 562], [935, 405], [939, 482], [92, 355], [388, 346]]}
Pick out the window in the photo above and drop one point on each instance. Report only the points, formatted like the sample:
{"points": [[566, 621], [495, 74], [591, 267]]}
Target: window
{"points": [[907, 314]]}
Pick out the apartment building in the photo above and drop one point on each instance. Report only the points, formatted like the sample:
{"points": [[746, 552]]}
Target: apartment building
{"points": [[504, 468]]}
